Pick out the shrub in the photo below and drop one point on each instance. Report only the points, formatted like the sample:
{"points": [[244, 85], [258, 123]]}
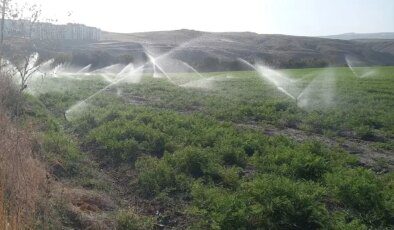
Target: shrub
{"points": [[367, 133], [59, 148], [294, 162], [230, 177], [254, 144], [130, 220], [267, 202], [114, 143], [231, 153], [360, 190], [388, 198], [9, 95], [156, 176], [194, 162], [285, 204], [344, 221], [84, 124], [217, 208], [309, 166], [123, 141]]}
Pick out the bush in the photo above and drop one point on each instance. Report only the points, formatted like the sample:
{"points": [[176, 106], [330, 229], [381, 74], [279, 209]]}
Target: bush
{"points": [[286, 204], [114, 143], [309, 166], [123, 141], [9, 95], [366, 133], [230, 177], [84, 124], [231, 154], [267, 202], [194, 162], [254, 144], [343, 221], [217, 208], [294, 162], [156, 176], [60, 149], [360, 190], [130, 220]]}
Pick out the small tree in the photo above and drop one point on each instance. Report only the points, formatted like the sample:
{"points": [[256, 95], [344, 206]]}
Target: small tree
{"points": [[26, 67], [24, 17], [33, 18], [23, 60], [3, 13]]}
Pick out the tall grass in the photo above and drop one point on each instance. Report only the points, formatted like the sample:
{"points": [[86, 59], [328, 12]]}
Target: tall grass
{"points": [[21, 174]]}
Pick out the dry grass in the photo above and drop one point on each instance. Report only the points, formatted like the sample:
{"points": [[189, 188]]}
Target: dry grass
{"points": [[22, 177], [88, 209], [8, 94], [29, 198]]}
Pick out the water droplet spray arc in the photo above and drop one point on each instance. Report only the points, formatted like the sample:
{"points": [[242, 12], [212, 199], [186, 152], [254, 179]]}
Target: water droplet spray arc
{"points": [[152, 61], [274, 77], [359, 72], [85, 69], [83, 102], [317, 93]]}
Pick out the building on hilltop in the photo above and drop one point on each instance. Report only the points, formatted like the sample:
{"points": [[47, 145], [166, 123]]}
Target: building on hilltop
{"points": [[49, 31]]}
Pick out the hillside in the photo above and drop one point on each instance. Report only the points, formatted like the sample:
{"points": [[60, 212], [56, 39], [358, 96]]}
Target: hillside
{"points": [[221, 51], [355, 36], [380, 45]]}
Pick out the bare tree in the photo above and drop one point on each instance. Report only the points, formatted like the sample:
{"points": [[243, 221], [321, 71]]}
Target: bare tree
{"points": [[24, 18], [33, 18], [27, 16], [22, 55], [3, 13], [26, 67]]}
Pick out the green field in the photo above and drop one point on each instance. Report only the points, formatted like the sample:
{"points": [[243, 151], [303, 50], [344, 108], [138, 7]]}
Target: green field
{"points": [[230, 152]]}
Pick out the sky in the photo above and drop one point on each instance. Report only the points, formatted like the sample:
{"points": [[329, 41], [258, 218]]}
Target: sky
{"points": [[292, 17]]}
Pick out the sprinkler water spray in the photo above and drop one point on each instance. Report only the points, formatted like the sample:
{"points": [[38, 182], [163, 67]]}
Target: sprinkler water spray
{"points": [[274, 77]]}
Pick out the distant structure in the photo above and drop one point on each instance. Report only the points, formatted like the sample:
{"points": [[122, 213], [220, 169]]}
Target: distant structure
{"points": [[49, 31]]}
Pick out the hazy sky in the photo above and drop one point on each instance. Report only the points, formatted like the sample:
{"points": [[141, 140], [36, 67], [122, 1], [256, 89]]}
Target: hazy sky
{"points": [[295, 17]]}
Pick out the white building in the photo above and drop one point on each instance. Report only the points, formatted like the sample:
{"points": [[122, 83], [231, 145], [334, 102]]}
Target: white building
{"points": [[49, 31]]}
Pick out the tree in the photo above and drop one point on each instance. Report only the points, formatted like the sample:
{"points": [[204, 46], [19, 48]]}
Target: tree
{"points": [[23, 58], [3, 9], [26, 67], [23, 18], [33, 18]]}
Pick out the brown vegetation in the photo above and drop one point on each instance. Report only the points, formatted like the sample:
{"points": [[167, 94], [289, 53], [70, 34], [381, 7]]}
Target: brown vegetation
{"points": [[87, 209], [22, 177], [8, 93]]}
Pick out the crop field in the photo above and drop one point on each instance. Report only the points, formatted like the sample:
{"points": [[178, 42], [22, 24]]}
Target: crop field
{"points": [[227, 150]]}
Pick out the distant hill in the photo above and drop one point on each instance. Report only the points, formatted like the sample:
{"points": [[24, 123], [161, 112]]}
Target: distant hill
{"points": [[217, 51], [380, 45], [208, 51], [356, 36]]}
